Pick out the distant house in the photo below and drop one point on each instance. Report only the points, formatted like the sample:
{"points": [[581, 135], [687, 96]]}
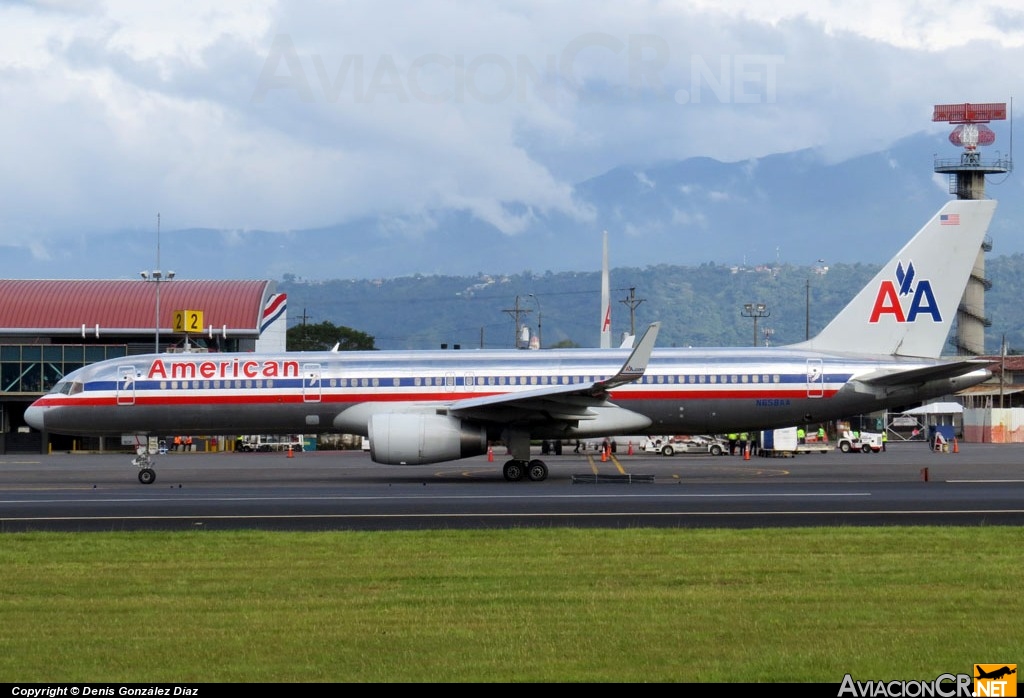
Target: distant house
{"points": [[1004, 389]]}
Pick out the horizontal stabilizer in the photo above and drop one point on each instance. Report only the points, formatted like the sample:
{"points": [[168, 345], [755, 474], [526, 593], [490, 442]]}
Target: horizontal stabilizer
{"points": [[894, 377]]}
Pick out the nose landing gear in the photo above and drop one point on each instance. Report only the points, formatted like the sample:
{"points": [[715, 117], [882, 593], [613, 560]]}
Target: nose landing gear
{"points": [[145, 464]]}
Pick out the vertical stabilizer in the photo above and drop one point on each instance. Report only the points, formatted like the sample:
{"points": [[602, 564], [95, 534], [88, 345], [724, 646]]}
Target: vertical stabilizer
{"points": [[606, 302], [908, 308]]}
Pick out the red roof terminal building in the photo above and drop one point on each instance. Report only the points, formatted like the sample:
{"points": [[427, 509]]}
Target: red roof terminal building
{"points": [[48, 328]]}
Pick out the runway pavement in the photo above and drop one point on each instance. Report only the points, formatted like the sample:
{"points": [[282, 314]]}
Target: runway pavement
{"points": [[982, 484]]}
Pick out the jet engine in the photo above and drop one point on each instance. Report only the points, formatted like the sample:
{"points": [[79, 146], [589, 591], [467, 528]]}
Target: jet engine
{"points": [[415, 439]]}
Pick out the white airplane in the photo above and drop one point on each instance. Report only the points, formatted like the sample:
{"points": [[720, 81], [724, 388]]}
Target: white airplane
{"points": [[419, 407]]}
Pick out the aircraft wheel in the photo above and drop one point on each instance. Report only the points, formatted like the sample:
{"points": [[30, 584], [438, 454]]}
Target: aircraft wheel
{"points": [[147, 476], [514, 470], [537, 471]]}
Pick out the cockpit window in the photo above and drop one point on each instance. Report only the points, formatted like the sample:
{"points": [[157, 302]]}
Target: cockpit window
{"points": [[68, 387]]}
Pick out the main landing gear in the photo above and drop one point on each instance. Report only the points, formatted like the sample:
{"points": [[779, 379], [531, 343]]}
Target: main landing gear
{"points": [[534, 470], [145, 462]]}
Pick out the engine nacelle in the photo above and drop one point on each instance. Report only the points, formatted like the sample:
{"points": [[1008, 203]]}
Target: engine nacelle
{"points": [[415, 439]]}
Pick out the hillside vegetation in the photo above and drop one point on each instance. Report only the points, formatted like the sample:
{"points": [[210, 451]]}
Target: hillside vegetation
{"points": [[698, 306]]}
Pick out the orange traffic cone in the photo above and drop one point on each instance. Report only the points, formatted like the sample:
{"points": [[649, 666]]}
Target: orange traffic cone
{"points": [[630, 451], [604, 455], [290, 454], [746, 453], [956, 448], [490, 454]]}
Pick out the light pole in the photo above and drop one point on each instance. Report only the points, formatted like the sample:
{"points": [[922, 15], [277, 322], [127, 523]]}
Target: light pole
{"points": [[807, 317], [755, 310], [156, 276], [540, 336]]}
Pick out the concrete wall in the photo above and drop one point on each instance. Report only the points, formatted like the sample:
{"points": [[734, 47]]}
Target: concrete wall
{"points": [[994, 425]]}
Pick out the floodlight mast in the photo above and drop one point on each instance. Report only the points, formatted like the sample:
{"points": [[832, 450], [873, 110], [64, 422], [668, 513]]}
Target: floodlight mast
{"points": [[156, 276]]}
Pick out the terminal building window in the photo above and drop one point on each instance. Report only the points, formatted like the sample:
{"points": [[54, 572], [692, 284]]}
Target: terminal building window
{"points": [[35, 368]]}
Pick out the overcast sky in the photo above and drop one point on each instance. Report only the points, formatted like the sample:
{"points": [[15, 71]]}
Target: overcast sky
{"points": [[280, 115]]}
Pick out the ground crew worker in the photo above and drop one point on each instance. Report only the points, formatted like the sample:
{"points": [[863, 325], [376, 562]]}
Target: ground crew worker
{"points": [[885, 438], [821, 433], [177, 443], [188, 443], [801, 435], [732, 443], [743, 442]]}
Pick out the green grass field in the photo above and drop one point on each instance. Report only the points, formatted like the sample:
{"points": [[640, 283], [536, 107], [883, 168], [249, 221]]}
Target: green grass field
{"points": [[531, 605]]}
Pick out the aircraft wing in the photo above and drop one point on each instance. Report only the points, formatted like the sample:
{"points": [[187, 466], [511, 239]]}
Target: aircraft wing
{"points": [[896, 377], [566, 402]]}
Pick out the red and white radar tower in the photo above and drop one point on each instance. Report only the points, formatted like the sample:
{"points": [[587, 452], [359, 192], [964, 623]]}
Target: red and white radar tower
{"points": [[967, 181]]}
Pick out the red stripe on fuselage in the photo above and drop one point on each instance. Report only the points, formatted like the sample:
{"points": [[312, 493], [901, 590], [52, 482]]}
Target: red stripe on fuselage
{"points": [[185, 399]]}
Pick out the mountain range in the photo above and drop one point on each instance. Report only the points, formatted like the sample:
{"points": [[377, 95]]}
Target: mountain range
{"points": [[792, 207]]}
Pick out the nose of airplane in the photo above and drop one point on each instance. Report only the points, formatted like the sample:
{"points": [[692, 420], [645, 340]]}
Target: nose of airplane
{"points": [[34, 416]]}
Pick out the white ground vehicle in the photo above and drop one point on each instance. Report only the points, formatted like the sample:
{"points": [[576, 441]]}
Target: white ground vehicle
{"points": [[268, 442], [673, 445], [785, 443], [866, 442]]}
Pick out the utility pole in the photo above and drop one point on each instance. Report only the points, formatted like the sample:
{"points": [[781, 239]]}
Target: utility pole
{"points": [[632, 302], [807, 306], [515, 313]]}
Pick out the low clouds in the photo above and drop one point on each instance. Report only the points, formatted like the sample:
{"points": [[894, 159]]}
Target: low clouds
{"points": [[291, 115]]}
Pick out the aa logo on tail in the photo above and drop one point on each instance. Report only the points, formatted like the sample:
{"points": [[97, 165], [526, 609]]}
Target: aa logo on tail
{"points": [[893, 294], [995, 680]]}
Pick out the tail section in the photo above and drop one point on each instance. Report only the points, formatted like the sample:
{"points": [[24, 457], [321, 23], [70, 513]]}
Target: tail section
{"points": [[908, 308], [606, 303]]}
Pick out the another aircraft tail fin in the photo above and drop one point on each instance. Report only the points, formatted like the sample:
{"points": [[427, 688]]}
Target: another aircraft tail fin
{"points": [[908, 308]]}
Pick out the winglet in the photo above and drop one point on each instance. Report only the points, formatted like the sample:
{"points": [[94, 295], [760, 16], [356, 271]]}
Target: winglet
{"points": [[636, 364]]}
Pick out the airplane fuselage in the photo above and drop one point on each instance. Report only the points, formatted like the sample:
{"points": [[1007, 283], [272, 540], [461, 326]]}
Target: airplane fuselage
{"points": [[436, 406], [682, 391]]}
